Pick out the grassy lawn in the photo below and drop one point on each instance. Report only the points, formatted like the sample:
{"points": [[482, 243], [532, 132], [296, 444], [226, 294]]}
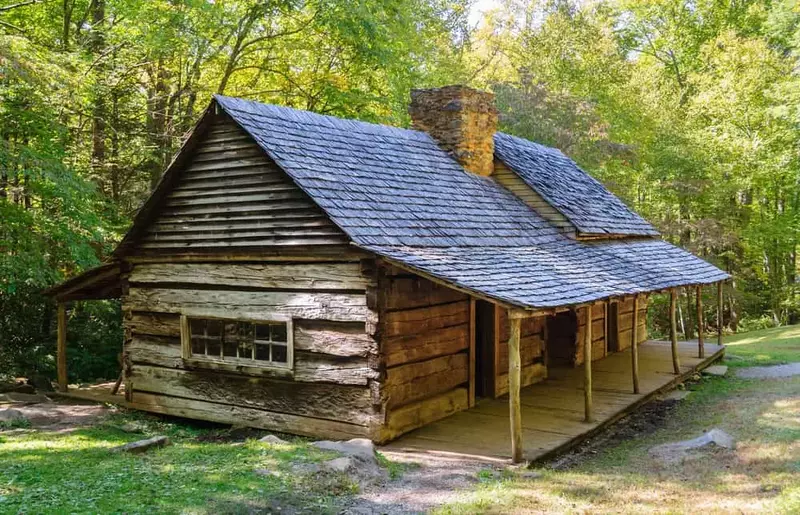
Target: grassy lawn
{"points": [[761, 475], [74, 472]]}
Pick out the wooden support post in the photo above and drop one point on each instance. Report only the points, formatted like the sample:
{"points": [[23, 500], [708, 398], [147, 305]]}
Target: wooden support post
{"points": [[472, 377], [635, 345], [61, 347], [587, 366], [701, 350], [673, 331], [719, 313], [514, 371]]}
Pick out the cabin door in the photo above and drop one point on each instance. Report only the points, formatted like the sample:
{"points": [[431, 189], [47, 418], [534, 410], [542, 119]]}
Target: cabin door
{"points": [[485, 352], [562, 332]]}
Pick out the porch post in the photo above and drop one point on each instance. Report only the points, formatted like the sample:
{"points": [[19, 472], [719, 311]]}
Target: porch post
{"points": [[514, 371], [719, 313], [673, 330], [61, 348], [587, 366], [700, 344], [635, 345]]}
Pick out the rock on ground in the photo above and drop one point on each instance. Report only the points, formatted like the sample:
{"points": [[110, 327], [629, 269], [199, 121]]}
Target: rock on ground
{"points": [[142, 445], [361, 448], [677, 395], [274, 440], [776, 371], [716, 370], [11, 414], [676, 450], [359, 460]]}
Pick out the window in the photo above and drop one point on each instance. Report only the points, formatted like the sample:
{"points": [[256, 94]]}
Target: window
{"points": [[239, 342]]}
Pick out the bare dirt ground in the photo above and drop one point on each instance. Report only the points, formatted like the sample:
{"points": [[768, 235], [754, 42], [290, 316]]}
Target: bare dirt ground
{"points": [[773, 372], [58, 414]]}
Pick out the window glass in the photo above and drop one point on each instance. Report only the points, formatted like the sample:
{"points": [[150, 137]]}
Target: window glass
{"points": [[236, 341]]}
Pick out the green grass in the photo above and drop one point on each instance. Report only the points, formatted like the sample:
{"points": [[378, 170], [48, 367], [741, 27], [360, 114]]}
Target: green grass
{"points": [[75, 472], [761, 475], [766, 347]]}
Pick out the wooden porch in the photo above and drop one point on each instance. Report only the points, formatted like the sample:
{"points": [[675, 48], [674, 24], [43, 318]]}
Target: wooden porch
{"points": [[553, 410]]}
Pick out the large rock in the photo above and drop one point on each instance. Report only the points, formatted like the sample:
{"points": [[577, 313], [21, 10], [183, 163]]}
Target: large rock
{"points": [[677, 450], [716, 370], [360, 448], [274, 440], [11, 415], [142, 445]]}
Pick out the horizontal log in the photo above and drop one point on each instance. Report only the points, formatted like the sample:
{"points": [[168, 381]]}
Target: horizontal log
{"points": [[246, 305], [157, 324], [295, 206], [334, 338], [215, 183], [231, 163], [202, 236], [229, 414], [250, 243], [228, 152], [231, 191], [204, 200], [529, 375], [201, 226], [415, 381], [417, 414], [269, 173], [309, 367], [352, 404], [415, 292], [412, 321], [425, 345], [530, 349]]}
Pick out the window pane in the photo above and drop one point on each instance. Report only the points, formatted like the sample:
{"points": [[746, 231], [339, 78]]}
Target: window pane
{"points": [[214, 346], [245, 332], [246, 349], [279, 354], [198, 346], [278, 333], [262, 332], [262, 352], [214, 328], [197, 327]]}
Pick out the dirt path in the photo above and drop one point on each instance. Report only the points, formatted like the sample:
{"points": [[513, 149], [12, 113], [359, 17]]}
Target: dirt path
{"points": [[57, 416], [773, 372]]}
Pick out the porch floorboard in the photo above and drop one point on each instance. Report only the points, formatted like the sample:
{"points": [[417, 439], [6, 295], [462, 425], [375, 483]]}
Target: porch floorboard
{"points": [[552, 410]]}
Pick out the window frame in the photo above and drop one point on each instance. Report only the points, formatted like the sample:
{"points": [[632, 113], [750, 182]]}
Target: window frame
{"points": [[237, 363]]}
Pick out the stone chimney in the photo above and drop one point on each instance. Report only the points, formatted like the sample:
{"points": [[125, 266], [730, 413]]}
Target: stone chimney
{"points": [[462, 120]]}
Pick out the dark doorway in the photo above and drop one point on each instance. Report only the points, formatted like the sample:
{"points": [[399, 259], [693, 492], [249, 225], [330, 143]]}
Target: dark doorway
{"points": [[613, 327], [562, 329], [484, 348]]}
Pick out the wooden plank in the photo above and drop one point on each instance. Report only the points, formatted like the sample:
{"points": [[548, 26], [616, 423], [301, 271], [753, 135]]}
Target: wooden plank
{"points": [[61, 350], [346, 403], [415, 381], [415, 292], [673, 330], [229, 414], [319, 276], [410, 321], [587, 367], [529, 375], [246, 305], [635, 347], [514, 370], [701, 351], [425, 345], [157, 324], [417, 414], [346, 339]]}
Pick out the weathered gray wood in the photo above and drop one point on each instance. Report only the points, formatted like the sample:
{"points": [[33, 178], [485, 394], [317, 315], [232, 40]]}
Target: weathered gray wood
{"points": [[322, 276], [229, 414], [157, 324], [411, 321], [345, 403], [334, 338], [142, 445], [425, 345], [673, 330], [243, 305], [309, 367], [514, 369]]}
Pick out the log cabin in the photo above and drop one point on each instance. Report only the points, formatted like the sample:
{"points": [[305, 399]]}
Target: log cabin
{"points": [[334, 278]]}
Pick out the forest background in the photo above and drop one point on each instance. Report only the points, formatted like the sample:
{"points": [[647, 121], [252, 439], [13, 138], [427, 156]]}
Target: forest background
{"points": [[688, 110]]}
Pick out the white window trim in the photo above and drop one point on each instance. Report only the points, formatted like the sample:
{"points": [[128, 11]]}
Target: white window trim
{"points": [[186, 342]]}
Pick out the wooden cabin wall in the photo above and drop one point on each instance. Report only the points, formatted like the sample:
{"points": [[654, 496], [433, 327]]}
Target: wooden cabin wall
{"points": [[625, 313], [531, 349], [598, 333], [230, 195], [333, 390], [425, 334]]}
